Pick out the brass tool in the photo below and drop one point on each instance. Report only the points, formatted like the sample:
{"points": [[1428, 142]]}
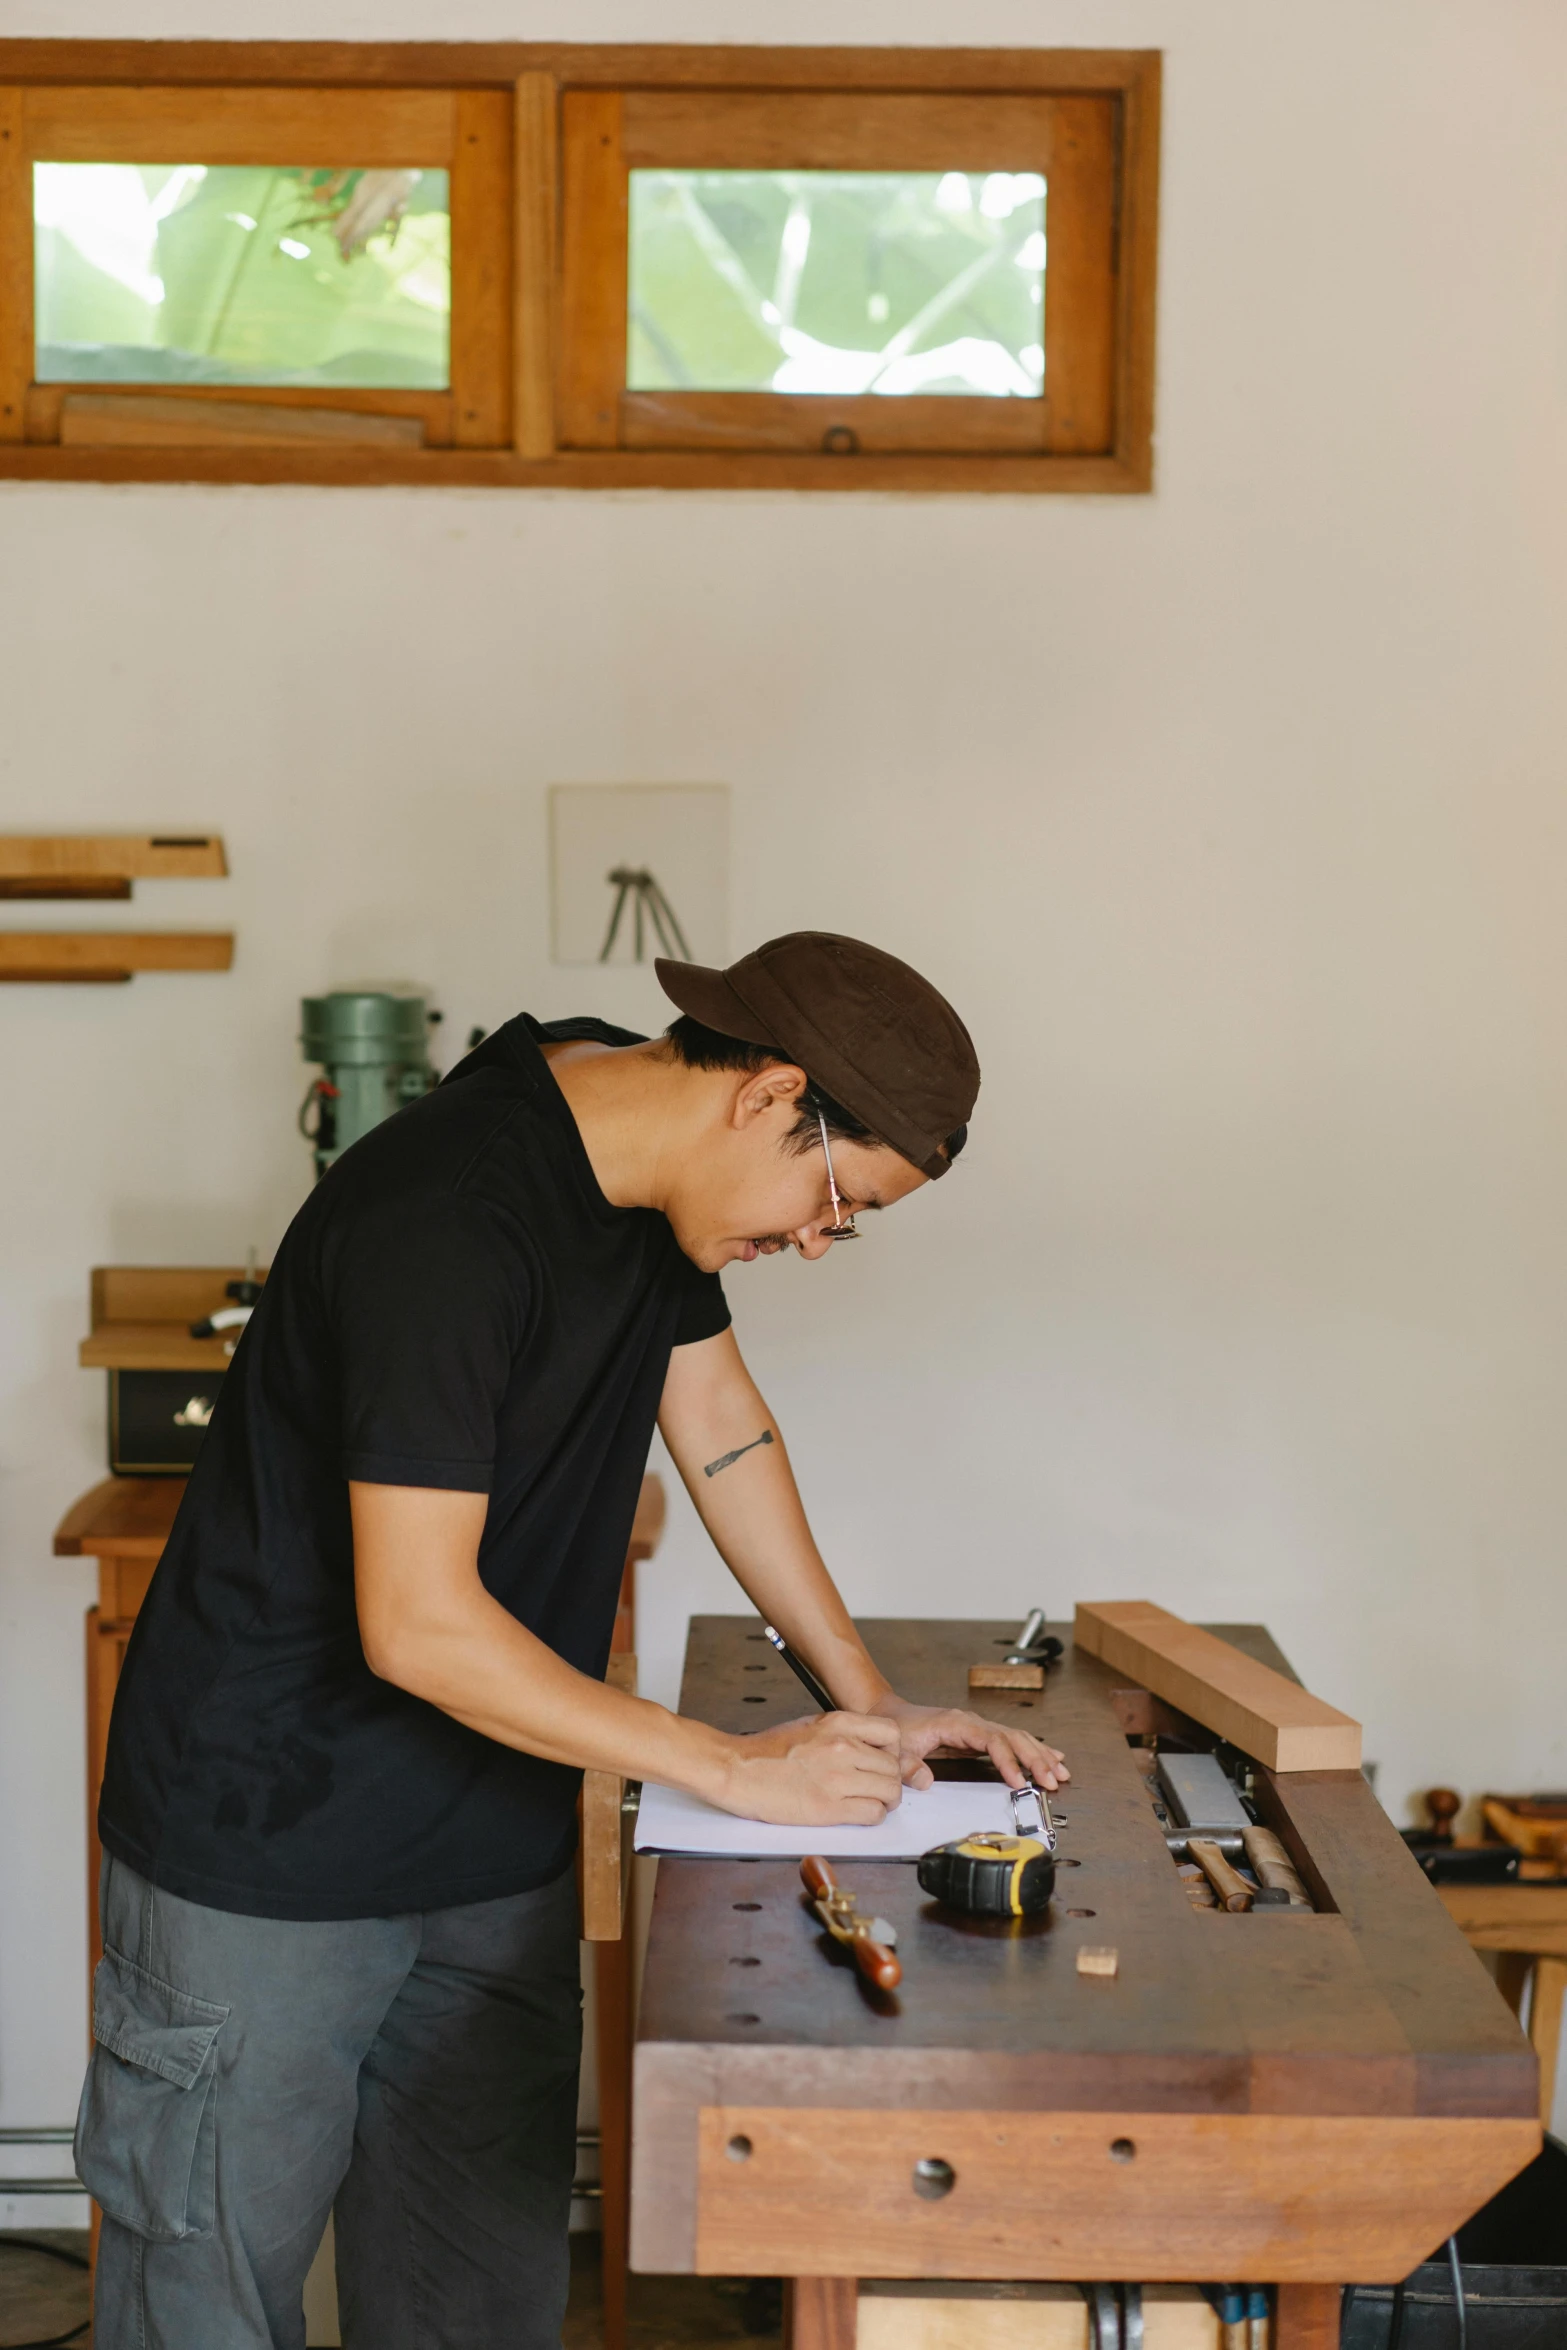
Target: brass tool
{"points": [[870, 1939]]}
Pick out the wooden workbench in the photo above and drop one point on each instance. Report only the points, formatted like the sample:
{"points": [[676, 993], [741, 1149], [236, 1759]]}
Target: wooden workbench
{"points": [[1283, 2097]]}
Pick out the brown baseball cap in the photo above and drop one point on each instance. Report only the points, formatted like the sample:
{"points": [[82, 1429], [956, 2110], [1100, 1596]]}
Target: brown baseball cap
{"points": [[862, 1025]]}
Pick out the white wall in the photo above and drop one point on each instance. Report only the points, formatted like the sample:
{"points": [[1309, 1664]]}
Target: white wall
{"points": [[1231, 818]]}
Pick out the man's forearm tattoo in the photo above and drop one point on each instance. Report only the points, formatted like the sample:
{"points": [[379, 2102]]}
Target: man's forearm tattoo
{"points": [[729, 1458]]}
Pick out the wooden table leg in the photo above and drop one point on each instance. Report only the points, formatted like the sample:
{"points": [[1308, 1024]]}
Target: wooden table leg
{"points": [[821, 2313], [1308, 2317], [612, 1999], [1545, 2025]]}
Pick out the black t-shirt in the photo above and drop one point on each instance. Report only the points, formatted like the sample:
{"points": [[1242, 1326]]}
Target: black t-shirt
{"points": [[456, 1305]]}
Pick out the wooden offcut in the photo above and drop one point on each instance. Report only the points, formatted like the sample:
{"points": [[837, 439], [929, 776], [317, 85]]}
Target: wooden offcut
{"points": [[1255, 1708], [1006, 1676]]}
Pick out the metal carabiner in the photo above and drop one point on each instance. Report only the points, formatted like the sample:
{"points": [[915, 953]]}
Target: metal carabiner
{"points": [[1045, 1829]]}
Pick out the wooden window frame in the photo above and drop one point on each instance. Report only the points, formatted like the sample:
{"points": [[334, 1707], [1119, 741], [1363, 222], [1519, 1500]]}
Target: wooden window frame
{"points": [[538, 139]]}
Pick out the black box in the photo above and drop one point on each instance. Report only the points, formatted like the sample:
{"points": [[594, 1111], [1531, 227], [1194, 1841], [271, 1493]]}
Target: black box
{"points": [[157, 1420]]}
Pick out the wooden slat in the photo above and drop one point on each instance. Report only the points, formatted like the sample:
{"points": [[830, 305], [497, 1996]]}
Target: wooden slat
{"points": [[119, 856], [109, 955], [833, 424], [593, 270], [1138, 269], [170, 124], [161, 420], [482, 270], [1080, 278], [16, 268], [587, 469], [45, 404], [536, 168], [152, 1346], [801, 131], [1262, 2198], [477, 64], [1270, 1718]]}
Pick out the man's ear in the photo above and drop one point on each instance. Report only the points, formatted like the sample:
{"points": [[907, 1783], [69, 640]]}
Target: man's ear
{"points": [[780, 1084]]}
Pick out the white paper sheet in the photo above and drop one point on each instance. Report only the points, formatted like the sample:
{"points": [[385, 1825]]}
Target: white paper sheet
{"points": [[671, 1822]]}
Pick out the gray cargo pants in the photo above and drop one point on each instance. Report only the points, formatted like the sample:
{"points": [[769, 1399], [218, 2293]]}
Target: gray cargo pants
{"points": [[416, 2074]]}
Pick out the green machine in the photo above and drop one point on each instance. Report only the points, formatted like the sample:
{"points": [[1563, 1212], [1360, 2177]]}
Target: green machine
{"points": [[373, 1047]]}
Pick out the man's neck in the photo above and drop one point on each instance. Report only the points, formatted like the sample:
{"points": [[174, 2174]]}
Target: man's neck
{"points": [[637, 1110]]}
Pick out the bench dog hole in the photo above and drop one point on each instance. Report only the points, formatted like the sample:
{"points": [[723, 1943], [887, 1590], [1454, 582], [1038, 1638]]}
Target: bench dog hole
{"points": [[1122, 2149], [745, 1962], [745, 1905], [739, 2148], [934, 2178]]}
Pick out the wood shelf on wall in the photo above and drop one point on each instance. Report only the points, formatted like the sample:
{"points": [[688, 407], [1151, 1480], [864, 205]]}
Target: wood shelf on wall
{"points": [[105, 956], [103, 864]]}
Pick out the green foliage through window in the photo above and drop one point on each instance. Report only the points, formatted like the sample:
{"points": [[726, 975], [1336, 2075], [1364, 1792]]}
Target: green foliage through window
{"points": [[241, 274], [837, 282]]}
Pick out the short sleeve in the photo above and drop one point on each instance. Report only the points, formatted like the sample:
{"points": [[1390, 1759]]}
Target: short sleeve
{"points": [[704, 1309], [428, 1312]]}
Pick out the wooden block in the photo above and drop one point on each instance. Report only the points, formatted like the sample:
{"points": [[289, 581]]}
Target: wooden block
{"points": [[895, 2316], [1308, 2317], [1252, 1706], [1257, 2197], [1092, 1961], [1006, 1676], [158, 420]]}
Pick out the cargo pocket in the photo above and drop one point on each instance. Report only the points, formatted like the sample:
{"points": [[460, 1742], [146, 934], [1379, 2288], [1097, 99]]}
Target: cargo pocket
{"points": [[146, 2134]]}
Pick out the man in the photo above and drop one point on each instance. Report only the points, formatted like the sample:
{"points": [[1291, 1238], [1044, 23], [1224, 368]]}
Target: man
{"points": [[341, 1963]]}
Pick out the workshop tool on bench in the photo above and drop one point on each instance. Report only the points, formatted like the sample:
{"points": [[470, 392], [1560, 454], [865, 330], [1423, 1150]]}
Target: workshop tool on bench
{"points": [[1273, 1868], [246, 1294], [869, 1939], [993, 1875], [373, 1047], [1026, 1661], [1210, 1826]]}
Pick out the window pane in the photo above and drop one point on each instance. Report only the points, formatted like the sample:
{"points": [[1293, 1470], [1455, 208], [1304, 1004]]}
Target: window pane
{"points": [[241, 274], [837, 281]]}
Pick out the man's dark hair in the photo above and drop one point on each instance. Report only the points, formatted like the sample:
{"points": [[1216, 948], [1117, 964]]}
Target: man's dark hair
{"points": [[708, 1048]]}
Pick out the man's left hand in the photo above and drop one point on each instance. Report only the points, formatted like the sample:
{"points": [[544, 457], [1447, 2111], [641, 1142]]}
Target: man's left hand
{"points": [[924, 1728]]}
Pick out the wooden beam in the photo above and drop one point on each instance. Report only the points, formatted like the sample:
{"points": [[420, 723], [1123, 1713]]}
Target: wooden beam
{"points": [[1138, 267], [593, 270], [481, 334], [1258, 1710], [1258, 2197], [300, 125], [152, 420], [16, 269], [536, 168], [109, 955], [586, 65]]}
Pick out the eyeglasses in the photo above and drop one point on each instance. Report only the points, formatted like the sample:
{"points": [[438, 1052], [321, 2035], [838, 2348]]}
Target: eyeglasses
{"points": [[837, 1229]]}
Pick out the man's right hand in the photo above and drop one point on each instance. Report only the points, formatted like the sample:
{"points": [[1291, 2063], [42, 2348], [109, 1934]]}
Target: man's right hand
{"points": [[826, 1770]]}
